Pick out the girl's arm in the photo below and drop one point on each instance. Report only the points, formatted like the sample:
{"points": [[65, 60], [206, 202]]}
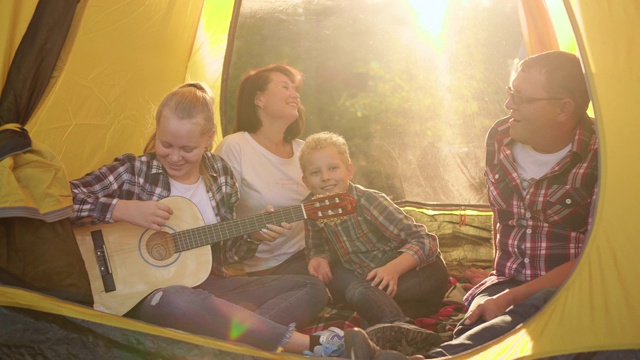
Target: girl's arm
{"points": [[96, 194]]}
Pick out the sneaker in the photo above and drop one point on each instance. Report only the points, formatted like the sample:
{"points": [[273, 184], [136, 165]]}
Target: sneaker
{"points": [[358, 346], [331, 343], [394, 355], [402, 337]]}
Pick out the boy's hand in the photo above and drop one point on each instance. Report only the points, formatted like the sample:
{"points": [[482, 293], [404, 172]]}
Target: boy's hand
{"points": [[271, 232], [385, 277], [319, 267], [149, 214]]}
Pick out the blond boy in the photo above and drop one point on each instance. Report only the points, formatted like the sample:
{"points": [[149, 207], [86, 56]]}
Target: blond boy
{"points": [[378, 260]]}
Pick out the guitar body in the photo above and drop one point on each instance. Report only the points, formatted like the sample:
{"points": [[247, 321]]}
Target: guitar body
{"points": [[137, 267]]}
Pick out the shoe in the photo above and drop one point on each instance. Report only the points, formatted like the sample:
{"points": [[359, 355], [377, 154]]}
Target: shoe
{"points": [[402, 337], [358, 346], [331, 343], [392, 355]]}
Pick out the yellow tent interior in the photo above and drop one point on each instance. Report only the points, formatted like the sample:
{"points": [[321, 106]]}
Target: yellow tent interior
{"points": [[96, 97]]}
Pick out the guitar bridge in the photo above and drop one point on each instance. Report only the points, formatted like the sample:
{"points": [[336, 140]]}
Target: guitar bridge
{"points": [[102, 257]]}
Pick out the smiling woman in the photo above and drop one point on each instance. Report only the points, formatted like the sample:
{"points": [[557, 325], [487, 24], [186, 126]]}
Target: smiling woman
{"points": [[263, 153]]}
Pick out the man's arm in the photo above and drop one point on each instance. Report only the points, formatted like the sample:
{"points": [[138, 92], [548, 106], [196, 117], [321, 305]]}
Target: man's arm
{"points": [[497, 305]]}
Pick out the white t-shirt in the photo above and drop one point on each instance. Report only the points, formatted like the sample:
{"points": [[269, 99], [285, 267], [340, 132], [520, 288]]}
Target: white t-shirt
{"points": [[532, 165], [266, 179], [198, 194]]}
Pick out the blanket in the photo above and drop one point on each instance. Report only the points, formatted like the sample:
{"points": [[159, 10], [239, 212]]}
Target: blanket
{"points": [[442, 322]]}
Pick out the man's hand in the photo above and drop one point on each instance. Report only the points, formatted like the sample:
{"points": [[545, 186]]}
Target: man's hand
{"points": [[495, 306], [490, 308], [474, 277]]}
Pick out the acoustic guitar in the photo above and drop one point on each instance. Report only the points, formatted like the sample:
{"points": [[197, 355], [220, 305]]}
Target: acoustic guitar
{"points": [[126, 262]]}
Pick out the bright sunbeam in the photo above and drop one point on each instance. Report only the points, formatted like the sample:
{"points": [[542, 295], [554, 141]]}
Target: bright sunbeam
{"points": [[430, 14]]}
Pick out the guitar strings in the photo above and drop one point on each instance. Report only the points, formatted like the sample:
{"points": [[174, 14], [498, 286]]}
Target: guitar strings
{"points": [[200, 236]]}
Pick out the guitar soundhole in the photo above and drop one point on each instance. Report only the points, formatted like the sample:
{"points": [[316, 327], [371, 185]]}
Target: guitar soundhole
{"points": [[161, 246]]}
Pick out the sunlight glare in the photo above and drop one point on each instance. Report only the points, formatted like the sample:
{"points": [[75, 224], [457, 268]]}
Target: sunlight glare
{"points": [[562, 26], [430, 14], [238, 328]]}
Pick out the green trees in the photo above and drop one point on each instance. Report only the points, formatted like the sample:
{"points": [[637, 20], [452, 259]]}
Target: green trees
{"points": [[414, 103]]}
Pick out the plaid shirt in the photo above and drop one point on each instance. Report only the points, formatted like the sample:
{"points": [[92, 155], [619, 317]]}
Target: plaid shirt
{"points": [[547, 226], [376, 234], [143, 178]]}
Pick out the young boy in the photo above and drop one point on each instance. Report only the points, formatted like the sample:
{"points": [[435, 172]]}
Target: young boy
{"points": [[378, 260]]}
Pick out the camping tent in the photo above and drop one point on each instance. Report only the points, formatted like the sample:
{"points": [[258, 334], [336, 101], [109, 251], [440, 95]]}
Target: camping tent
{"points": [[94, 103]]}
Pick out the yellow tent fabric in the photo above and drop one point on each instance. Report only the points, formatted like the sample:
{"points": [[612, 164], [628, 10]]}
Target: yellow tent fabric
{"points": [[34, 185], [87, 115], [120, 59]]}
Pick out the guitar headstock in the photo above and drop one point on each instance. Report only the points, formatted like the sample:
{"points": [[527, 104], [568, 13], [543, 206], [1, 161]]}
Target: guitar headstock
{"points": [[330, 208]]}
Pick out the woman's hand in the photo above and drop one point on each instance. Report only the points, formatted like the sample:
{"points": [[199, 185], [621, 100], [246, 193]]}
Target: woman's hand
{"points": [[270, 232], [319, 267], [149, 214]]}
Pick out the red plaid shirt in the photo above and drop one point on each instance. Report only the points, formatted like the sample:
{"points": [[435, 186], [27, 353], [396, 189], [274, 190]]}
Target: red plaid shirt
{"points": [[547, 226], [376, 234]]}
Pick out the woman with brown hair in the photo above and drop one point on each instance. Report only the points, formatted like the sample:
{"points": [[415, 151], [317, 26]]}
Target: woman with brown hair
{"points": [[263, 153]]}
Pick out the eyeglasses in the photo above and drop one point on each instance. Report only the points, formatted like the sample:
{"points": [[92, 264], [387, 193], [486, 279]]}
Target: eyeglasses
{"points": [[521, 99]]}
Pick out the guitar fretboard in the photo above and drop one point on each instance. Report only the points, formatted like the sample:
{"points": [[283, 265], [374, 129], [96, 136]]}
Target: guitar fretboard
{"points": [[209, 234]]}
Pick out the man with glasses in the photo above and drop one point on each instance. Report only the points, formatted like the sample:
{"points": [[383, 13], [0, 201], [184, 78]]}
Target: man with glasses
{"points": [[541, 172]]}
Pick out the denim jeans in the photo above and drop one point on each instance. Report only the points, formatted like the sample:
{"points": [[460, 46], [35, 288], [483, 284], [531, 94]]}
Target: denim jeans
{"points": [[296, 264], [422, 288], [259, 311], [467, 337]]}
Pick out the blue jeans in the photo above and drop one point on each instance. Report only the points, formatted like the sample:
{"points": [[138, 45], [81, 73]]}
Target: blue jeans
{"points": [[467, 337], [423, 288], [259, 311], [296, 264]]}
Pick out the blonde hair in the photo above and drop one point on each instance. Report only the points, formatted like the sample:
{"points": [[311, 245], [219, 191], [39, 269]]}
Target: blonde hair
{"points": [[321, 141], [193, 100]]}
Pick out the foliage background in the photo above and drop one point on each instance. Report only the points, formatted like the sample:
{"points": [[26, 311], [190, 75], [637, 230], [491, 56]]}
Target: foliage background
{"points": [[413, 103]]}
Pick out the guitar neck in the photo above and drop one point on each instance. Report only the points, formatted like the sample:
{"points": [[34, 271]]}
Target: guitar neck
{"points": [[209, 234]]}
